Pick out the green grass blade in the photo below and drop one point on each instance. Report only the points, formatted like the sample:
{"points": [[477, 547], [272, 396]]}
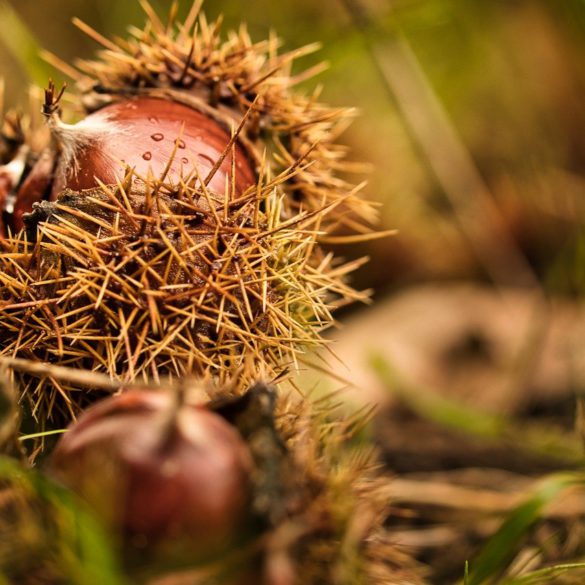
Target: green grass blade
{"points": [[434, 407], [65, 533], [546, 574], [502, 547], [447, 413], [42, 434]]}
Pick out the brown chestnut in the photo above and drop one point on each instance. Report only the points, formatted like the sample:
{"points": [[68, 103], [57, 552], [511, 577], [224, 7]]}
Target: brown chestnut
{"points": [[142, 134], [169, 478]]}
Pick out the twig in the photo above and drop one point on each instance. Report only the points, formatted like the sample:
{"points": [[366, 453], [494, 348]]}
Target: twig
{"points": [[84, 378]]}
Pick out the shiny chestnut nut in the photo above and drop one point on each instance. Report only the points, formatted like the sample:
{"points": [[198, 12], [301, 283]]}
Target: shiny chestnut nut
{"points": [[170, 479], [145, 134]]}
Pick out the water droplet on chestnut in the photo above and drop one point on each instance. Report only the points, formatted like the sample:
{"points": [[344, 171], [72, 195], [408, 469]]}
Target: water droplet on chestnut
{"points": [[147, 156], [157, 137], [206, 158]]}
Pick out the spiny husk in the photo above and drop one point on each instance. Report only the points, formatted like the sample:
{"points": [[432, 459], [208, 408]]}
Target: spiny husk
{"points": [[149, 279], [11, 136], [23, 127], [193, 64], [337, 533], [9, 417], [320, 503], [321, 495]]}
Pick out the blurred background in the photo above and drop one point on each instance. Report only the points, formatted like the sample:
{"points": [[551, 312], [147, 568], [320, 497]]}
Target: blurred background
{"points": [[472, 120]]}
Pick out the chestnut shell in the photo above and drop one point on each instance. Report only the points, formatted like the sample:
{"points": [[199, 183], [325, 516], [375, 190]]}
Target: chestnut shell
{"points": [[160, 481], [145, 133]]}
